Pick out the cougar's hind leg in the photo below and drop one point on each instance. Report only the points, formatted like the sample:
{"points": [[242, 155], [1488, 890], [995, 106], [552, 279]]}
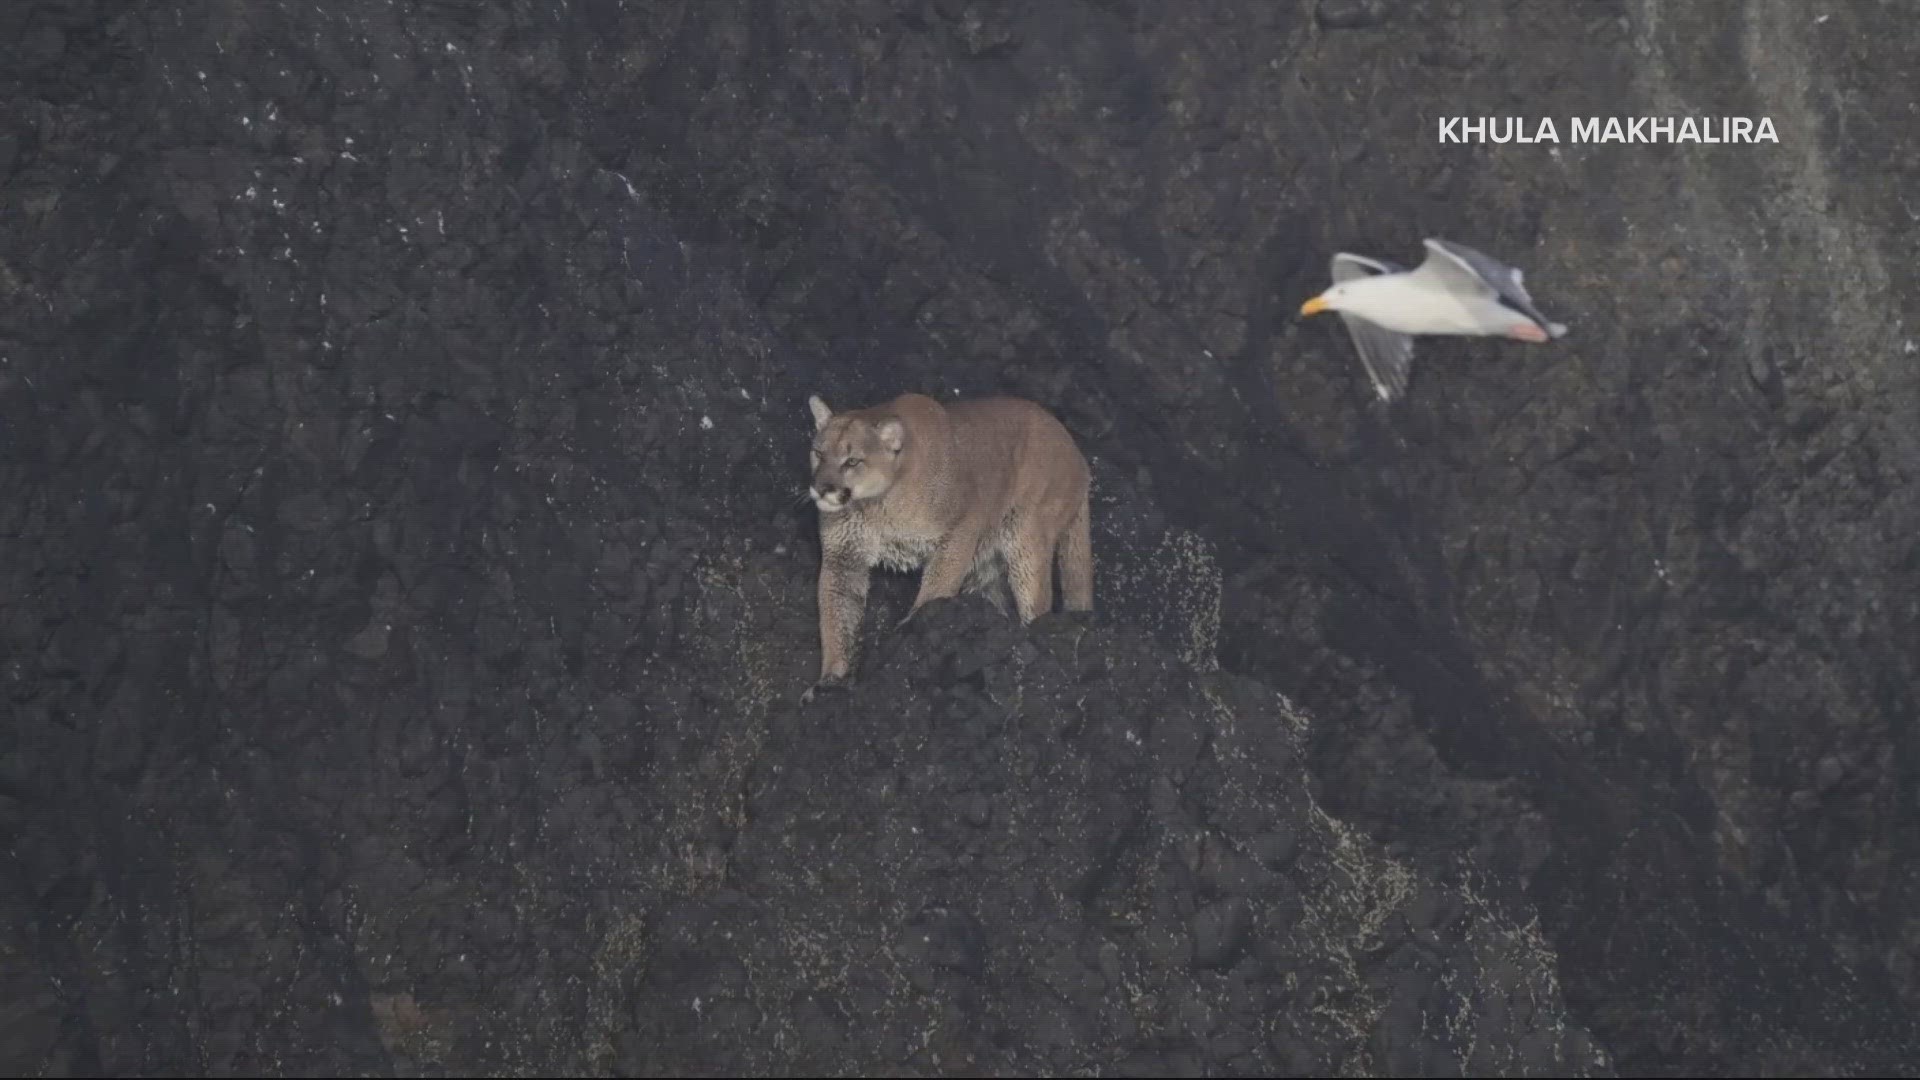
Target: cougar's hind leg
{"points": [[1076, 562]]}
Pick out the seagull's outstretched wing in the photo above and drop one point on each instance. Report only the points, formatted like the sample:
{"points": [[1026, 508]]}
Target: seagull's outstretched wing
{"points": [[1467, 270], [1387, 356], [1347, 266]]}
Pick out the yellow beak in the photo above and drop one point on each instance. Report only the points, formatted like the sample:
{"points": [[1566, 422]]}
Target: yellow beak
{"points": [[1314, 306]]}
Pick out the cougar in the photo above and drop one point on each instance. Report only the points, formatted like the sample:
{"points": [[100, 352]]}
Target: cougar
{"points": [[971, 493]]}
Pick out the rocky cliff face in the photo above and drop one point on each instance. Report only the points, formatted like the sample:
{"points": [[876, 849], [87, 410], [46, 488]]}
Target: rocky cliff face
{"points": [[402, 412]]}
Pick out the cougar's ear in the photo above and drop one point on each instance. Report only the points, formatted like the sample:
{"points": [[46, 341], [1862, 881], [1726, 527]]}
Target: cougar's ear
{"points": [[893, 433], [821, 414]]}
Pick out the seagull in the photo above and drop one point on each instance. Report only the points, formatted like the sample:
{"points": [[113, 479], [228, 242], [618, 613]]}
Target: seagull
{"points": [[1457, 290]]}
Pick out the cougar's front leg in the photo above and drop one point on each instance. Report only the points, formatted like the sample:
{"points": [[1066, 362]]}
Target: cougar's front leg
{"points": [[843, 600]]}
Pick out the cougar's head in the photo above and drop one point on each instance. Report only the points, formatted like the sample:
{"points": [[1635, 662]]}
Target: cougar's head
{"points": [[854, 458]]}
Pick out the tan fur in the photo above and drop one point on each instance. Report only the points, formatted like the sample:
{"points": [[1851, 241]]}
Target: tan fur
{"points": [[955, 491]]}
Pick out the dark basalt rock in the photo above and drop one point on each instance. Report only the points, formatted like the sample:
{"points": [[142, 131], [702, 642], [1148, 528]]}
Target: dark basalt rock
{"points": [[1350, 14], [409, 593]]}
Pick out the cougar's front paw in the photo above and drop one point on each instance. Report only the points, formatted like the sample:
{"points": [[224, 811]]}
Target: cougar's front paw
{"points": [[827, 684]]}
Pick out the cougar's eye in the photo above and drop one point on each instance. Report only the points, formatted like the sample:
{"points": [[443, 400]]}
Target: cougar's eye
{"points": [[852, 463]]}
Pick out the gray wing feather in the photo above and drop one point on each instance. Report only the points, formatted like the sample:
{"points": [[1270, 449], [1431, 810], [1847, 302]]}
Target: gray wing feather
{"points": [[1387, 356], [1346, 267], [1462, 263]]}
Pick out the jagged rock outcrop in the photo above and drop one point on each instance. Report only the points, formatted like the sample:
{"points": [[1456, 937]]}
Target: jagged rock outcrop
{"points": [[1066, 850]]}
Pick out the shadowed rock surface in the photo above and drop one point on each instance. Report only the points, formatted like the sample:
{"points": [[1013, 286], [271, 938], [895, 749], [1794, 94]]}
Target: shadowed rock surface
{"points": [[401, 424]]}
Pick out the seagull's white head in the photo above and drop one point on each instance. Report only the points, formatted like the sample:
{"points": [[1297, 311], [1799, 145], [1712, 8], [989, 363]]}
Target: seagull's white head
{"points": [[1338, 298], [1323, 302], [1387, 301]]}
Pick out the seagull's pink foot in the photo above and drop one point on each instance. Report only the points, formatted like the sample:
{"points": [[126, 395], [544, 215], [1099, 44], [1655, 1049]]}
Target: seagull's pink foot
{"points": [[1526, 331]]}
